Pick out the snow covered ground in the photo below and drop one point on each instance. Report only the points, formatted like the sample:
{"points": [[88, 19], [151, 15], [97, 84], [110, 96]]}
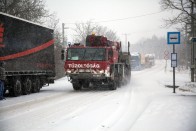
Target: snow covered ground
{"points": [[145, 104]]}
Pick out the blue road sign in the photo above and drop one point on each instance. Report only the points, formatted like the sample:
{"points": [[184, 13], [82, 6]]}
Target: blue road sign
{"points": [[173, 37]]}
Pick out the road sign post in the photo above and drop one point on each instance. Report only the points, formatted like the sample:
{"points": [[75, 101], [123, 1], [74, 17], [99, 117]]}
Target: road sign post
{"points": [[173, 38]]}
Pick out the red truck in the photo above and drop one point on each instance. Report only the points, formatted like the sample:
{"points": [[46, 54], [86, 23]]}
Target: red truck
{"points": [[98, 63]]}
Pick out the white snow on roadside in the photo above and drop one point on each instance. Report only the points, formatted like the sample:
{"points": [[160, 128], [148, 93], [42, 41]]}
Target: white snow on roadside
{"points": [[188, 86], [171, 113]]}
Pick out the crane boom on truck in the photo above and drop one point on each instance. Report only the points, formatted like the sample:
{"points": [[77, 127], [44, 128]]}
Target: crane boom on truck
{"points": [[101, 62], [27, 49]]}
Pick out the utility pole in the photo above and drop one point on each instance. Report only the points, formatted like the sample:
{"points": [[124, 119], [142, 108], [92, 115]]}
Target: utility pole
{"points": [[63, 26], [186, 46], [63, 33], [192, 43]]}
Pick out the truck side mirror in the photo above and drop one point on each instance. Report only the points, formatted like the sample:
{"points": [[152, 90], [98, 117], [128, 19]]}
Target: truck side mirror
{"points": [[62, 54]]}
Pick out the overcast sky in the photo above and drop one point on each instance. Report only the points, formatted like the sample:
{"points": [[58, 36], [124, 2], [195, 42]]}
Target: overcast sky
{"points": [[139, 18]]}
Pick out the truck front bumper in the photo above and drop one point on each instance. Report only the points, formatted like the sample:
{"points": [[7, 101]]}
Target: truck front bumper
{"points": [[86, 76]]}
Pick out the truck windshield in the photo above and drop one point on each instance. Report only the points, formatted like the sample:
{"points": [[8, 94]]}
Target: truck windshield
{"points": [[135, 58], [86, 54]]}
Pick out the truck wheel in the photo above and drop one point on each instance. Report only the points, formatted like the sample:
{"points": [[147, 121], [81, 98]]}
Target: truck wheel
{"points": [[128, 80], [118, 83], [27, 86], [86, 84], [17, 88], [36, 85], [76, 86], [112, 85], [4, 92]]}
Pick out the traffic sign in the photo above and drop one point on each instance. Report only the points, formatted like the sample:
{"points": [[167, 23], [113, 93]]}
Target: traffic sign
{"points": [[193, 39], [173, 63], [173, 37], [174, 56], [173, 59]]}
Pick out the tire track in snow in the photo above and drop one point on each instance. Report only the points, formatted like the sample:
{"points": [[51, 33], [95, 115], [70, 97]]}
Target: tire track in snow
{"points": [[125, 112], [51, 112]]}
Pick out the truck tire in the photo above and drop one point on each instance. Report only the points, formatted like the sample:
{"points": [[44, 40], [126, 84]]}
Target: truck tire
{"points": [[4, 91], [112, 85], [27, 86], [76, 86], [36, 85], [85, 84], [17, 88], [118, 83]]}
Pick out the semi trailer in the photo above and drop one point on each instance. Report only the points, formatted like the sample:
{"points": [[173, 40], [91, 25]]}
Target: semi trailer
{"points": [[27, 51]]}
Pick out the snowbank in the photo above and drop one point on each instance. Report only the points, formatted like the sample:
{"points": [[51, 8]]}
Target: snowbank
{"points": [[189, 86]]}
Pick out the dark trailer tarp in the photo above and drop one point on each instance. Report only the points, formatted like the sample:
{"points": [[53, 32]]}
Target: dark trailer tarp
{"points": [[25, 46]]}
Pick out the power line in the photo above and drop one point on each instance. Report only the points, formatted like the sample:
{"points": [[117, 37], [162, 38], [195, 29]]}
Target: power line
{"points": [[132, 17], [120, 19]]}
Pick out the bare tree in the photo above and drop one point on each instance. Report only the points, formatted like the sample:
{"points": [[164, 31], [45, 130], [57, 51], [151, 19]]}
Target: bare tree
{"points": [[101, 30], [84, 29], [111, 35], [32, 10], [182, 8]]}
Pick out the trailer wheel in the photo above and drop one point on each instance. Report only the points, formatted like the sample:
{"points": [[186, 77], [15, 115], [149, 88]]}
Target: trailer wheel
{"points": [[27, 86], [4, 91], [76, 86], [36, 85], [17, 88]]}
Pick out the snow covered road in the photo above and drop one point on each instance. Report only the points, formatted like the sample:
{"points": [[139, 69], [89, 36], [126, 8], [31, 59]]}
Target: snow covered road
{"points": [[144, 104]]}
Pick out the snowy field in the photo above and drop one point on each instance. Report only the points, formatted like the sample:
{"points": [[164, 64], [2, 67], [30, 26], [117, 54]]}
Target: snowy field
{"points": [[143, 105]]}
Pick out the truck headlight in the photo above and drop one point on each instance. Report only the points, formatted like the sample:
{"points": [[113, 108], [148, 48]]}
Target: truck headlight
{"points": [[101, 71], [68, 71]]}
